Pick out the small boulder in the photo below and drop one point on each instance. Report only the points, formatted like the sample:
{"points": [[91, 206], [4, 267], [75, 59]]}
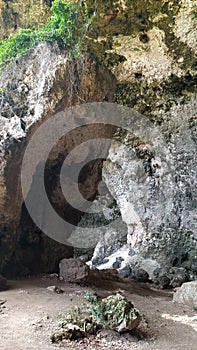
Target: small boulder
{"points": [[55, 289], [187, 294], [119, 314], [125, 272], [117, 263], [74, 270], [131, 252], [139, 275]]}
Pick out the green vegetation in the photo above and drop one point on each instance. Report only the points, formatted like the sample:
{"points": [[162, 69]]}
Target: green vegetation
{"points": [[95, 307], [110, 312], [114, 312], [67, 26]]}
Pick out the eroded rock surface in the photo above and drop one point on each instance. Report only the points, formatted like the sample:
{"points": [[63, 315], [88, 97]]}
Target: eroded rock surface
{"points": [[152, 55], [157, 192], [74, 270], [187, 294], [32, 89], [150, 49]]}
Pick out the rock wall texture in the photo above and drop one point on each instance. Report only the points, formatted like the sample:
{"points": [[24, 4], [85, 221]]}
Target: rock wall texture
{"points": [[32, 88], [140, 54], [22, 14], [156, 190], [150, 47]]}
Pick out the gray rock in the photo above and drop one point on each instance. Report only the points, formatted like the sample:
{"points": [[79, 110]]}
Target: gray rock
{"points": [[170, 277], [117, 263], [187, 294], [132, 252], [114, 236], [157, 230], [125, 272], [73, 270], [178, 277], [33, 87], [138, 274], [163, 281], [152, 175]]}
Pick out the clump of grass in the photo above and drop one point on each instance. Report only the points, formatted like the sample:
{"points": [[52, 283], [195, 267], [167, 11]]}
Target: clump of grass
{"points": [[67, 26]]}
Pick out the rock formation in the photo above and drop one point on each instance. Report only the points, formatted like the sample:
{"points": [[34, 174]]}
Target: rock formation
{"points": [[32, 88], [151, 51], [143, 59]]}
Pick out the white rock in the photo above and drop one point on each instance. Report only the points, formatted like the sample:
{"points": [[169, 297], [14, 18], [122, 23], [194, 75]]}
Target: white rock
{"points": [[187, 294]]}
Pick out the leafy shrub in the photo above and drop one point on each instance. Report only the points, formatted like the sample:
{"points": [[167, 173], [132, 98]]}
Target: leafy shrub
{"points": [[95, 307], [67, 26]]}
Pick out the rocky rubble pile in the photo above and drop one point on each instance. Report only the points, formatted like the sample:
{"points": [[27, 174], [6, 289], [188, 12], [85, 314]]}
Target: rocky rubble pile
{"points": [[114, 312]]}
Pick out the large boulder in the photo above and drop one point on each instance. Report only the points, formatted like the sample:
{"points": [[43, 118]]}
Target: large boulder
{"points": [[187, 294], [74, 270]]}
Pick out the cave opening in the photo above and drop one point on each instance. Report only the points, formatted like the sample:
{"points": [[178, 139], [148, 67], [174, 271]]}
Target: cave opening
{"points": [[34, 251]]}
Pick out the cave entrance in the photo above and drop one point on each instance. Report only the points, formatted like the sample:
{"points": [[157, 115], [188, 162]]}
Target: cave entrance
{"points": [[36, 252]]}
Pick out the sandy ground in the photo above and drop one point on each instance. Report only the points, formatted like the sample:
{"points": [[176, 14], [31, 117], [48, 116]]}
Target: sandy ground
{"points": [[30, 316]]}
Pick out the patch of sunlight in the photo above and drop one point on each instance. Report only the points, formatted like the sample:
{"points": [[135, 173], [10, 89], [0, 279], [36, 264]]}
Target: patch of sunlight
{"points": [[187, 320]]}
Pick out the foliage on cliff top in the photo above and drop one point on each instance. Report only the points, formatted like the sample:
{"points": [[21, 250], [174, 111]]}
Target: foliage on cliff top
{"points": [[66, 26]]}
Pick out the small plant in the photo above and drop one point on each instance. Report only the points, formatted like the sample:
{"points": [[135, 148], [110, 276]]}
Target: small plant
{"points": [[67, 26], [94, 305]]}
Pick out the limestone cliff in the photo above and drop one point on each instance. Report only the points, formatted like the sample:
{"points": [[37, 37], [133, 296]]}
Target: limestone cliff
{"points": [[151, 49], [32, 88], [148, 50]]}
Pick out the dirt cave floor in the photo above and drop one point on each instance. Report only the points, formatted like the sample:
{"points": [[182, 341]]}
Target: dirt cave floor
{"points": [[29, 315]]}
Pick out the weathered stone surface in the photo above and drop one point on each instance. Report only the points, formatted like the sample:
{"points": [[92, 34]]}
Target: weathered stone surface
{"points": [[138, 274], [170, 277], [112, 240], [21, 14], [153, 59], [32, 88], [187, 294], [74, 270], [118, 262], [119, 314], [125, 272], [3, 283], [109, 232], [155, 190], [160, 215]]}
